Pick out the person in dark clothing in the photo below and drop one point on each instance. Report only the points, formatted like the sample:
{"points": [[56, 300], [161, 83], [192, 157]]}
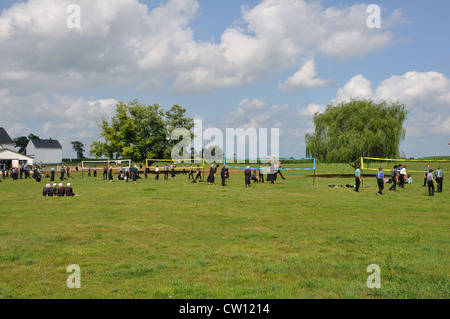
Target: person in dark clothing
{"points": [[95, 171], [254, 178], [46, 191], [248, 175], [38, 176], [135, 173], [62, 173], [166, 172], [380, 181], [223, 174], [105, 172], [53, 190], [68, 172], [191, 172], [279, 170], [199, 173], [401, 177], [212, 176], [261, 174], [173, 171], [61, 190], [110, 174], [52, 175], [394, 176], [439, 174], [431, 182], [68, 191]]}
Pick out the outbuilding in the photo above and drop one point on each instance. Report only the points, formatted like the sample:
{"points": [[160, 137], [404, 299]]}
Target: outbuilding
{"points": [[45, 151]]}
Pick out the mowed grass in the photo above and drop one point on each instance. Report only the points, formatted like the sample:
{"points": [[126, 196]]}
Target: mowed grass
{"points": [[175, 239]]}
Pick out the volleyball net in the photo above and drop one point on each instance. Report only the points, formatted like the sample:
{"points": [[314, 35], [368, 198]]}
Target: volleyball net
{"points": [[115, 164], [414, 167], [178, 164], [283, 164], [46, 167]]}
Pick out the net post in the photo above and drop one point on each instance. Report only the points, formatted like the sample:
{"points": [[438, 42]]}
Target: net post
{"points": [[314, 178], [362, 172]]}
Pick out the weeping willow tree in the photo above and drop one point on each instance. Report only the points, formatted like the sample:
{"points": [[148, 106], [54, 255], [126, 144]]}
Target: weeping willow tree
{"points": [[347, 131]]}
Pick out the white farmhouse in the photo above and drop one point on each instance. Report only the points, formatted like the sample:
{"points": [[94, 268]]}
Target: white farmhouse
{"points": [[45, 151]]}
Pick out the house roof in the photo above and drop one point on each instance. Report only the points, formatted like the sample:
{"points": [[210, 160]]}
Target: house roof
{"points": [[4, 137], [13, 155], [46, 143]]}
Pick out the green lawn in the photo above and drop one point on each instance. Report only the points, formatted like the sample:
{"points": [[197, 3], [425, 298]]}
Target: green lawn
{"points": [[175, 239]]}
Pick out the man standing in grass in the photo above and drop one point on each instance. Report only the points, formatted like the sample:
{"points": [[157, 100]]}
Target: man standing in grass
{"points": [[425, 173], [439, 174], [191, 172], [223, 174], [166, 172], [358, 178], [380, 181], [248, 175], [157, 172], [394, 175], [431, 182], [261, 174]]}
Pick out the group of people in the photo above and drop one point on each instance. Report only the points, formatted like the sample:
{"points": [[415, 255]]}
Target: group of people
{"points": [[257, 176], [399, 178], [125, 174], [60, 191]]}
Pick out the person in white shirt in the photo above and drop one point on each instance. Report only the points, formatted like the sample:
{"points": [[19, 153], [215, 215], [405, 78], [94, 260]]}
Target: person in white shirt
{"points": [[402, 177]]}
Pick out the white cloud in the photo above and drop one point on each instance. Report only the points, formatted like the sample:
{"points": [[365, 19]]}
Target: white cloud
{"points": [[254, 104], [305, 78], [357, 87], [422, 90], [124, 42], [311, 109]]}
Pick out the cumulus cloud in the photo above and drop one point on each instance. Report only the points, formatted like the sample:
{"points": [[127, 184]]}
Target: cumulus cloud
{"points": [[126, 42], [357, 87], [311, 109], [305, 78], [55, 116]]}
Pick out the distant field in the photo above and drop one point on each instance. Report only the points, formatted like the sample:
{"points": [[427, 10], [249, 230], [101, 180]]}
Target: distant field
{"points": [[176, 239]]}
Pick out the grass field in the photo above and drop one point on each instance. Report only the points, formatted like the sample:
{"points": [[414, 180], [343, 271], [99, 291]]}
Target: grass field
{"points": [[176, 239]]}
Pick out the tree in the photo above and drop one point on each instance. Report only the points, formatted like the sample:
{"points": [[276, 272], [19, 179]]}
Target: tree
{"points": [[22, 141], [139, 131], [358, 128], [78, 147]]}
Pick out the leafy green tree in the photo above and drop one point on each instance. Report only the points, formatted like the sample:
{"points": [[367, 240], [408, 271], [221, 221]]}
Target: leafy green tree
{"points": [[22, 141], [139, 131], [358, 128], [78, 147]]}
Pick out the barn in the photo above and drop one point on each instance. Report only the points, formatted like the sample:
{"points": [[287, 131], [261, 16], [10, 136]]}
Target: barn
{"points": [[45, 151]]}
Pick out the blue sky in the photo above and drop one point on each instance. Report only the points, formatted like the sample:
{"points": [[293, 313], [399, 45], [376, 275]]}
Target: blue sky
{"points": [[234, 63]]}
